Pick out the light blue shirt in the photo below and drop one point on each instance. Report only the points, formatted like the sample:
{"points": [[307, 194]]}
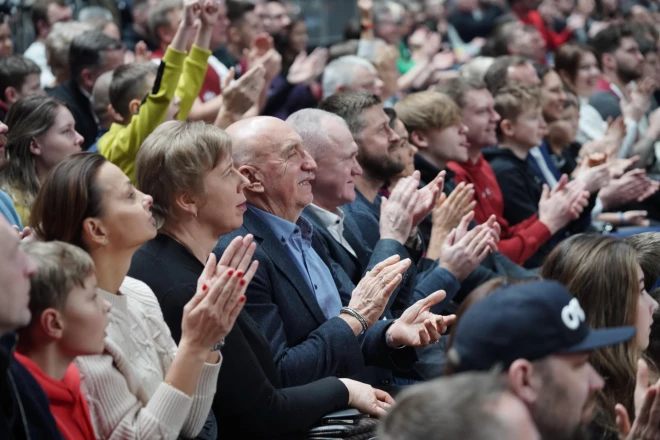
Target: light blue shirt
{"points": [[8, 211], [296, 238]]}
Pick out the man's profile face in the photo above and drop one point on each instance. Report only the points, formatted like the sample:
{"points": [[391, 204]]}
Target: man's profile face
{"points": [[379, 153], [629, 60], [564, 406]]}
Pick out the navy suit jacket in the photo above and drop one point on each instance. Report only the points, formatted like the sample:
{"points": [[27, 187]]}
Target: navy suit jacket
{"points": [[306, 346], [413, 287]]}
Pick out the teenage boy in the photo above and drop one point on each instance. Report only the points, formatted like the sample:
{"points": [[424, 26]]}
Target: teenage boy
{"points": [[68, 320], [19, 77], [519, 242], [520, 129]]}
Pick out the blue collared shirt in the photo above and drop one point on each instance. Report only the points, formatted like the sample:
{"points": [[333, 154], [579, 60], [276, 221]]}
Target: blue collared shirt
{"points": [[297, 239]]}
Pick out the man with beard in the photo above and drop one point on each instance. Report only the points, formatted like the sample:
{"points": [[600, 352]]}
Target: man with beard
{"points": [[622, 64], [379, 155], [540, 339]]}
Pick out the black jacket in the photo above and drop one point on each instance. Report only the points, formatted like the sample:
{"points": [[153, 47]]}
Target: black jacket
{"points": [[306, 346], [24, 410], [81, 109], [250, 401]]}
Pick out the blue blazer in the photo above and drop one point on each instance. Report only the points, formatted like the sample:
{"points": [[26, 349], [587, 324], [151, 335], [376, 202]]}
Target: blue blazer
{"points": [[306, 346], [414, 285]]}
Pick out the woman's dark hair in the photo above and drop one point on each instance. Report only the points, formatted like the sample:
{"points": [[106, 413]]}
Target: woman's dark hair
{"points": [[282, 42], [29, 118], [568, 57], [69, 195]]}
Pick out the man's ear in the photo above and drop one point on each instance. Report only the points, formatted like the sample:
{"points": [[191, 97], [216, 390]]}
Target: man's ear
{"points": [[608, 60], [94, 232], [51, 323], [87, 79], [11, 95], [507, 127], [254, 176], [522, 381], [419, 139]]}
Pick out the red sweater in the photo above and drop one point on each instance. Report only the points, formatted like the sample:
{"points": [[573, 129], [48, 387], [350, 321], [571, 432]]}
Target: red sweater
{"points": [[67, 403], [552, 39], [518, 242]]}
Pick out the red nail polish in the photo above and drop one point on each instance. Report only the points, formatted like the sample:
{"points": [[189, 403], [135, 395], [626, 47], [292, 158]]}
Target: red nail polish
{"points": [[230, 272], [242, 298], [242, 282], [204, 287], [239, 274]]}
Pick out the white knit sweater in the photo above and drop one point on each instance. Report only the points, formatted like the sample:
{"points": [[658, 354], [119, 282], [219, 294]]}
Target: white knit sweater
{"points": [[124, 386]]}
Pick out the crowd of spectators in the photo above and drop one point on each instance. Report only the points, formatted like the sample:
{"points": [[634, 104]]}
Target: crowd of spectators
{"points": [[444, 226]]}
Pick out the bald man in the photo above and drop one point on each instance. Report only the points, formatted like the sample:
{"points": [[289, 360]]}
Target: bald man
{"points": [[293, 297]]}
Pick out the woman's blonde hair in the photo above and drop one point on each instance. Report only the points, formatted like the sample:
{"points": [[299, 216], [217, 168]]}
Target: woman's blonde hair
{"points": [[175, 158], [601, 272]]}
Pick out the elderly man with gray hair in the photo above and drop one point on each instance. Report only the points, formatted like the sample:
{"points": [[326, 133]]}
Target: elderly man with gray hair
{"points": [[351, 73], [315, 332]]}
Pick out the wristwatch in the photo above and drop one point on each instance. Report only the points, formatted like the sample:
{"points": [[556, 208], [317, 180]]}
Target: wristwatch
{"points": [[218, 345]]}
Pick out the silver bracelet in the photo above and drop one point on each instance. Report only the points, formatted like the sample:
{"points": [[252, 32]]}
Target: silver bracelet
{"points": [[356, 315]]}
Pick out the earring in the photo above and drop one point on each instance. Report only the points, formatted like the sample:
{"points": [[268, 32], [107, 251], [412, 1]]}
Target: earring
{"points": [[105, 241], [195, 214]]}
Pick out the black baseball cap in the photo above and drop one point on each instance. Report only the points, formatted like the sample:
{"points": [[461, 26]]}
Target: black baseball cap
{"points": [[526, 321]]}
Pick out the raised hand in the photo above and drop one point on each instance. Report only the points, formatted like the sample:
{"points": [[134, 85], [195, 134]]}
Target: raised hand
{"points": [[427, 197], [262, 51], [365, 7], [366, 399], [461, 257], [449, 211], [210, 314], [191, 12], [239, 96], [647, 409], [142, 53], [396, 213], [594, 178], [370, 296], [209, 13], [556, 208], [306, 68], [418, 327], [632, 186]]}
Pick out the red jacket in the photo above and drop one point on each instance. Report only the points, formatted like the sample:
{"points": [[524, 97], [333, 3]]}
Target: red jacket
{"points": [[552, 39], [67, 403], [518, 242]]}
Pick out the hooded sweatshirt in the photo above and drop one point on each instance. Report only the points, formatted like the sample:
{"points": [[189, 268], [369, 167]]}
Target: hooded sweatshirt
{"points": [[518, 242], [67, 403]]}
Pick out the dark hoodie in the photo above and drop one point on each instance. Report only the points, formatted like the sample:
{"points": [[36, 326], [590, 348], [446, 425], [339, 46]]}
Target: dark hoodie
{"points": [[24, 411]]}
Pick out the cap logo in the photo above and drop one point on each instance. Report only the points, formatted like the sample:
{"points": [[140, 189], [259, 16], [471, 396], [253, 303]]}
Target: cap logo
{"points": [[572, 314]]}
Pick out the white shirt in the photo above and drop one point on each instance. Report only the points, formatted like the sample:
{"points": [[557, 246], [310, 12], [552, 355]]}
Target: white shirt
{"points": [[334, 224], [37, 53]]}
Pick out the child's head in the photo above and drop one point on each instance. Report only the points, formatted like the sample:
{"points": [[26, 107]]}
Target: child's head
{"points": [[130, 84], [19, 77], [64, 304], [564, 130], [522, 123], [434, 123]]}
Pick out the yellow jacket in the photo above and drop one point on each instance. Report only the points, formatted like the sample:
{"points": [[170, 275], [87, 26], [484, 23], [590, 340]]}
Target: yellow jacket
{"points": [[121, 143]]}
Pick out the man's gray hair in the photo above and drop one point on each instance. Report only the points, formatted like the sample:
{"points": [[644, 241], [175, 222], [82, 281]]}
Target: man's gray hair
{"points": [[349, 106], [341, 73], [312, 126], [95, 13], [454, 407]]}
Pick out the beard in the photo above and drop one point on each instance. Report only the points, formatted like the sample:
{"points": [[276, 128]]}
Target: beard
{"points": [[627, 74], [382, 168]]}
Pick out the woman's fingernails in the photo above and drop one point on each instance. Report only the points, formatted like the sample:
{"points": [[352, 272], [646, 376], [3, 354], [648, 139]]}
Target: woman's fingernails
{"points": [[230, 272], [242, 298], [242, 282], [239, 274], [204, 287]]}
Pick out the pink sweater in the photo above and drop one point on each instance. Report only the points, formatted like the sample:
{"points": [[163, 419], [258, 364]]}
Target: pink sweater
{"points": [[124, 386]]}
